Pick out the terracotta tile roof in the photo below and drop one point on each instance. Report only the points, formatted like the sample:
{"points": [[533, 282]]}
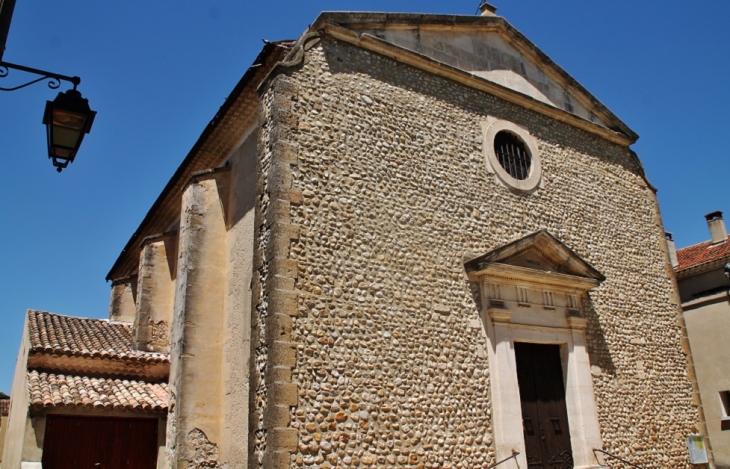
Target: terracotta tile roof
{"points": [[702, 253], [4, 407], [58, 390], [94, 338]]}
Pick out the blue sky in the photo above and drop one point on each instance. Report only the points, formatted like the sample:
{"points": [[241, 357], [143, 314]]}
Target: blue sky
{"points": [[157, 72]]}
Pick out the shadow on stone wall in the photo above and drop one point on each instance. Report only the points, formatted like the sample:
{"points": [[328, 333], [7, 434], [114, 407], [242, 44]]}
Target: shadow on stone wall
{"points": [[598, 349]]}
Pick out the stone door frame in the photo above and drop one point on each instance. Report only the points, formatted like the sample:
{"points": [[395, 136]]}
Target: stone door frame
{"points": [[506, 408], [533, 290]]}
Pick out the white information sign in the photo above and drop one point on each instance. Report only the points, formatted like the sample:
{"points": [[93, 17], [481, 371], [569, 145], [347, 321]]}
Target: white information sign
{"points": [[697, 449]]}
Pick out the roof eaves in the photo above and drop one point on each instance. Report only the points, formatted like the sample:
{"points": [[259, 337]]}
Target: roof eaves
{"points": [[701, 266], [270, 50]]}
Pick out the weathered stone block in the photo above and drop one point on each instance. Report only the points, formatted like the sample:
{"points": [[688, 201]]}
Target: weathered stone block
{"points": [[283, 353], [283, 439], [284, 86], [284, 302], [281, 102], [291, 195], [286, 230], [280, 176], [281, 133], [283, 393], [276, 416], [282, 117], [284, 268], [279, 282], [278, 373], [278, 327], [286, 152], [279, 212], [278, 248], [276, 460]]}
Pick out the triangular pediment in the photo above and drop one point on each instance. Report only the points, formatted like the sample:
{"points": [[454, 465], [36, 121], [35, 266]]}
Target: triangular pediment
{"points": [[488, 48], [540, 251]]}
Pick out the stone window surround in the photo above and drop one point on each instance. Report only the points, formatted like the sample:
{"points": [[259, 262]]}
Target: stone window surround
{"points": [[491, 126], [568, 332]]}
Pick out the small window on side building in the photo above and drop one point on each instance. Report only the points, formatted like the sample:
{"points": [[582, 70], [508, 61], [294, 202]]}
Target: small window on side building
{"points": [[725, 403]]}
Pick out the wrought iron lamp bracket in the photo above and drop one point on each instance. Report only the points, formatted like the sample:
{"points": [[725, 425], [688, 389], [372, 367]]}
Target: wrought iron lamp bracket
{"points": [[54, 79]]}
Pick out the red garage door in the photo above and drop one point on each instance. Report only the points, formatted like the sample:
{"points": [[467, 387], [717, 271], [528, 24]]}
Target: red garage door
{"points": [[99, 443]]}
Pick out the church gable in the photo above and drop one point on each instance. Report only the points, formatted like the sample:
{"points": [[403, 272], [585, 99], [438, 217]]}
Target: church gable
{"points": [[485, 47], [492, 56]]}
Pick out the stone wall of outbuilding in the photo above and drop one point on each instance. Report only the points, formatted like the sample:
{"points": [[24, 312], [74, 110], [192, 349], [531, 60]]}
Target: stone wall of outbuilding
{"points": [[391, 367]]}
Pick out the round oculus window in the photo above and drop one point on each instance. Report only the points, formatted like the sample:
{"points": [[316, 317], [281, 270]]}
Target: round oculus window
{"points": [[513, 155]]}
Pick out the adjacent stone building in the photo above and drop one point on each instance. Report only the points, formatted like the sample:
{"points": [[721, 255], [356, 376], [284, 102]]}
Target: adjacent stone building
{"points": [[411, 241], [84, 397], [703, 272]]}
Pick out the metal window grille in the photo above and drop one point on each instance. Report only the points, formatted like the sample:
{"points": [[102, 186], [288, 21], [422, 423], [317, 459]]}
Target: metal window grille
{"points": [[512, 155]]}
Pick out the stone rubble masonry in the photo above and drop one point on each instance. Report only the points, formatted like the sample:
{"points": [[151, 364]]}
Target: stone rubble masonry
{"points": [[351, 332], [155, 293], [198, 321]]}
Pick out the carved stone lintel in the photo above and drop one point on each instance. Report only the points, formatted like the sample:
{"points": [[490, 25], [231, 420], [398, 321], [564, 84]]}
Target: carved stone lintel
{"points": [[500, 315], [576, 322]]}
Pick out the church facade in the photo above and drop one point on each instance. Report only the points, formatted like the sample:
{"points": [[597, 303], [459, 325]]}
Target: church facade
{"points": [[411, 241]]}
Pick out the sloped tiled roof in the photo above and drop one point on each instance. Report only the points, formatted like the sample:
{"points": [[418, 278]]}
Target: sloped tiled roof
{"points": [[4, 407], [59, 390], [702, 253], [92, 338]]}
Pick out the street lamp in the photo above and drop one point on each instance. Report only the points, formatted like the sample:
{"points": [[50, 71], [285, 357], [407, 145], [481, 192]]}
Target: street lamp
{"points": [[67, 119]]}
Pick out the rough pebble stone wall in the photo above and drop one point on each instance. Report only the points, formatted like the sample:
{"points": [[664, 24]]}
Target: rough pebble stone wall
{"points": [[391, 368], [259, 348]]}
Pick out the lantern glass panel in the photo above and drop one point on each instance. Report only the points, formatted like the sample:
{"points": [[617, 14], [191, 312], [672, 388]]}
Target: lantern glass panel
{"points": [[67, 128], [69, 119]]}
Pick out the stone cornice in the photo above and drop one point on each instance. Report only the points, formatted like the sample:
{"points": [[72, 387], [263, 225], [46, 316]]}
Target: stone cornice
{"points": [[506, 274]]}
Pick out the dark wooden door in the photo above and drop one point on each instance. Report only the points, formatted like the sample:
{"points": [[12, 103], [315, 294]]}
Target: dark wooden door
{"points": [[544, 415], [99, 443]]}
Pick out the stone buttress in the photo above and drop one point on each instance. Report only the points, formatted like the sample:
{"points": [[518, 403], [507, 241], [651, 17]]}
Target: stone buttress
{"points": [[194, 427]]}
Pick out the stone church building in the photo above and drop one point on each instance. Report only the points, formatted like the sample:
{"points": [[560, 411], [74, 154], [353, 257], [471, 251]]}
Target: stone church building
{"points": [[404, 241]]}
